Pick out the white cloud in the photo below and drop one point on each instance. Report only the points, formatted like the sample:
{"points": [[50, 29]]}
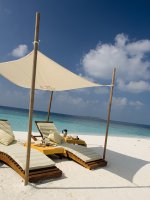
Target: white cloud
{"points": [[123, 101], [120, 101], [70, 103], [75, 104], [86, 77], [20, 51], [101, 90], [66, 97], [130, 56], [14, 98], [136, 103], [134, 86]]}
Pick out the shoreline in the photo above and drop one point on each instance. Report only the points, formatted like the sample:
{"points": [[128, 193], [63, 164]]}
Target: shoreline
{"points": [[85, 134]]}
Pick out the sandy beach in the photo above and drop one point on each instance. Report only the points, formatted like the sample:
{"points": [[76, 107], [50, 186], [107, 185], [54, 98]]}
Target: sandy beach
{"points": [[127, 175]]}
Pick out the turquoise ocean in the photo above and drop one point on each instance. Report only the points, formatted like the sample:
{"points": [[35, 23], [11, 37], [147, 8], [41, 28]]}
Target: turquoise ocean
{"points": [[74, 124]]}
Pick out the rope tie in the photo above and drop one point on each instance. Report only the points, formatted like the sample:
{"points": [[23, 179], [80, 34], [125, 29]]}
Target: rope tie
{"points": [[36, 42]]}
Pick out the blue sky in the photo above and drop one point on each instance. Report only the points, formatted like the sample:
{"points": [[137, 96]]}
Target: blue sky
{"points": [[88, 37]]}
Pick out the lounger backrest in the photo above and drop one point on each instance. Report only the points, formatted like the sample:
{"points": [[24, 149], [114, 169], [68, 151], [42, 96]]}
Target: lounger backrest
{"points": [[17, 152], [45, 128], [4, 125], [6, 133]]}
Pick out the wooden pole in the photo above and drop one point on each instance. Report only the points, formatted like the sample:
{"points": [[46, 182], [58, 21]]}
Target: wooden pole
{"points": [[49, 108], [109, 110], [32, 91]]}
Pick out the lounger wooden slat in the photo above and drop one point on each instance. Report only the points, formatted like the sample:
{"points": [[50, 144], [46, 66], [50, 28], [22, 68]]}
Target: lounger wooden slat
{"points": [[43, 170], [88, 165], [49, 173], [11, 163], [34, 175]]}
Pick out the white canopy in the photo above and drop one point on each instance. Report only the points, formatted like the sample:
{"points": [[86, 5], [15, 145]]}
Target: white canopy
{"points": [[49, 75]]}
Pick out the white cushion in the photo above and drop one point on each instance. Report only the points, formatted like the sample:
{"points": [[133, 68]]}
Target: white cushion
{"points": [[18, 152], [54, 136], [6, 133], [84, 153]]}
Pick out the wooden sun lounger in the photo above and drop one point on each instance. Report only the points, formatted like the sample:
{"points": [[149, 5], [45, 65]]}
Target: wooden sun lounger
{"points": [[74, 152], [84, 156], [61, 151], [14, 155], [36, 173]]}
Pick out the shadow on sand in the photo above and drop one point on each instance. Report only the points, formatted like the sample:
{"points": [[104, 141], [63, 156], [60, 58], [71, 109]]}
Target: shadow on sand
{"points": [[35, 185], [3, 165], [119, 164], [122, 165], [89, 188]]}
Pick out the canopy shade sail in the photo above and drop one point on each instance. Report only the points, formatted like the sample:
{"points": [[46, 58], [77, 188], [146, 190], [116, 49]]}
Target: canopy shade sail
{"points": [[49, 76]]}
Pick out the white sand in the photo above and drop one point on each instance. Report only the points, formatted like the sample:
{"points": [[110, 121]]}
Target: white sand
{"points": [[126, 177]]}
